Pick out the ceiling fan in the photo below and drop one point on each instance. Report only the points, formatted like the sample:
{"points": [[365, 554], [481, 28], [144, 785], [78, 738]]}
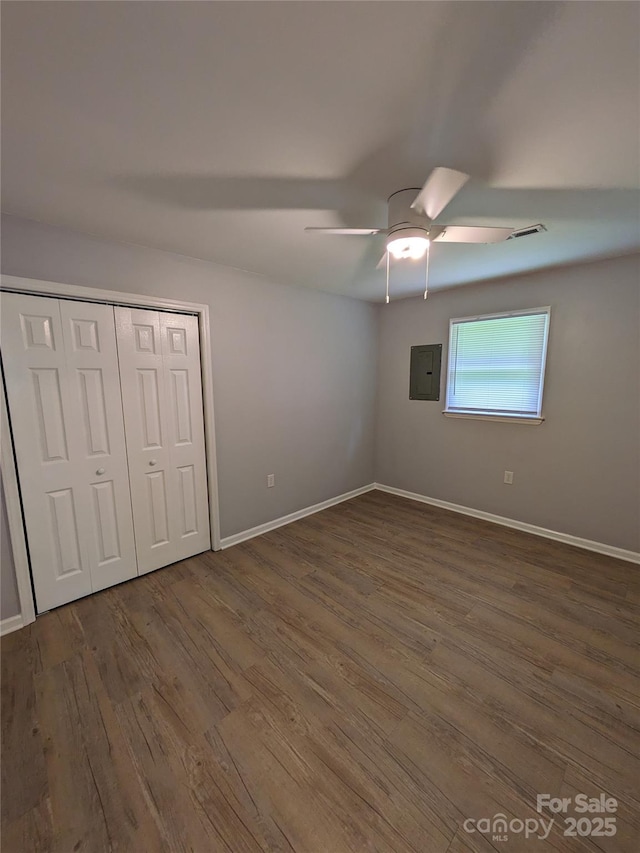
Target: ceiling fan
{"points": [[410, 229]]}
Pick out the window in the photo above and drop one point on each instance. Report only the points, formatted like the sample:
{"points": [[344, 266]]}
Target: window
{"points": [[496, 365]]}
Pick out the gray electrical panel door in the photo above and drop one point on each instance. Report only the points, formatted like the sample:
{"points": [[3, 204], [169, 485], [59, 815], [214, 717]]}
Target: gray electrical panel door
{"points": [[424, 381]]}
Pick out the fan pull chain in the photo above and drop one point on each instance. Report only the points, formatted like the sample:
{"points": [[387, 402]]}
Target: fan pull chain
{"points": [[387, 277], [426, 272]]}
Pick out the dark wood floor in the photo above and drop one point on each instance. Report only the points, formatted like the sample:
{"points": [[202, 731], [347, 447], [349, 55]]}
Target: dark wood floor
{"points": [[363, 680]]}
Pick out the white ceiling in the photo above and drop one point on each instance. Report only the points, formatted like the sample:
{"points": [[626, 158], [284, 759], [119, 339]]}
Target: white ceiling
{"points": [[220, 129]]}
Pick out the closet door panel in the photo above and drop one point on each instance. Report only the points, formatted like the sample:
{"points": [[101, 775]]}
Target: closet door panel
{"points": [[43, 423], [161, 385], [142, 383], [183, 380], [92, 359], [63, 390]]}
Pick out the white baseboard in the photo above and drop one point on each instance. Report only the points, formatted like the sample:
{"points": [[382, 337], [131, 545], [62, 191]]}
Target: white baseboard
{"points": [[577, 541], [568, 539], [228, 541], [12, 623]]}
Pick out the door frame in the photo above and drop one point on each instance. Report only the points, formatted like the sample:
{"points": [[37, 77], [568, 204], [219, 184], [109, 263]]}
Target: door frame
{"points": [[37, 287]]}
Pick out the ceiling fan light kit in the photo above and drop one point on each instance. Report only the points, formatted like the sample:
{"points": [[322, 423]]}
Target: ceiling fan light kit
{"points": [[407, 229], [411, 213], [408, 243]]}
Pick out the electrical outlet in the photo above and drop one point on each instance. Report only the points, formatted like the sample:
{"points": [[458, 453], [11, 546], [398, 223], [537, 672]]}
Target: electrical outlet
{"points": [[508, 477], [271, 480]]}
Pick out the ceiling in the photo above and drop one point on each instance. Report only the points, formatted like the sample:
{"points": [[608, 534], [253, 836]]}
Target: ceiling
{"points": [[221, 129]]}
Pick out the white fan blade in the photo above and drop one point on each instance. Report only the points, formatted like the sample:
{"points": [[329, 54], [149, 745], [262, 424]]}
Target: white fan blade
{"points": [[348, 231], [472, 234], [440, 187]]}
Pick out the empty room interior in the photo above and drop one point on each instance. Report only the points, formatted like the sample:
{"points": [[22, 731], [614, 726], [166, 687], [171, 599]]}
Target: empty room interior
{"points": [[320, 427]]}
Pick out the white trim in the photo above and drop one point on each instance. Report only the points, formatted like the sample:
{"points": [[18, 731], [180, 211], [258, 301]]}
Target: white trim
{"points": [[528, 420], [228, 541], [523, 312], [204, 328], [96, 294], [14, 515], [568, 539], [11, 624], [7, 461]]}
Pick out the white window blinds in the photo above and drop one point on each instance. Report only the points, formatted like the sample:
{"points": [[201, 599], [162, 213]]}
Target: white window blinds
{"points": [[496, 363]]}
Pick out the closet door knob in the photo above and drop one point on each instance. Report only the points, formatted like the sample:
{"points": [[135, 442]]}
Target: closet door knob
{"points": [[100, 471], [153, 462]]}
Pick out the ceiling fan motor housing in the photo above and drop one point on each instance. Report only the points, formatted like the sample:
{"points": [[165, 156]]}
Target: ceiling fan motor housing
{"points": [[403, 220]]}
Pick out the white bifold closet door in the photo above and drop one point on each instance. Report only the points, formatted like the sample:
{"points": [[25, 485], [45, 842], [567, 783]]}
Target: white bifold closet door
{"points": [[162, 397], [63, 388]]}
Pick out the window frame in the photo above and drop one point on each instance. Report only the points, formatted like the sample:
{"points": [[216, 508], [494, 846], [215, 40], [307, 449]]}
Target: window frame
{"points": [[488, 414]]}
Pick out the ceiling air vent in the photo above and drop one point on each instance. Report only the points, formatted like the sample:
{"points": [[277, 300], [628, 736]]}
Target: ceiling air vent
{"points": [[526, 232]]}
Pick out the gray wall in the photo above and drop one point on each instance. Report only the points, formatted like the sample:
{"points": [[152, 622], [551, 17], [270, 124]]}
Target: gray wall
{"points": [[579, 471], [9, 603], [293, 370]]}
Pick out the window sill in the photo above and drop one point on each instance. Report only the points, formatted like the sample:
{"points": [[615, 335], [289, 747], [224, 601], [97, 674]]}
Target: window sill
{"points": [[529, 420]]}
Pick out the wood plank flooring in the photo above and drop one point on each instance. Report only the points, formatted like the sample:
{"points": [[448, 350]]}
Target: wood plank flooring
{"points": [[365, 679]]}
